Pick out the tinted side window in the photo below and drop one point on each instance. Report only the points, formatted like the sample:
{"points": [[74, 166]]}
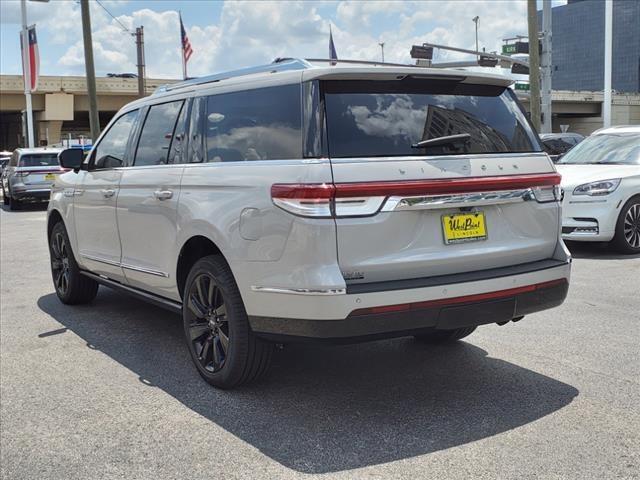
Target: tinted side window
{"points": [[157, 133], [111, 151], [261, 124]]}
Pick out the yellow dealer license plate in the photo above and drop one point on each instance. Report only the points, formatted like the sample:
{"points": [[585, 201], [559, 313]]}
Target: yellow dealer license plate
{"points": [[464, 227], [50, 176]]}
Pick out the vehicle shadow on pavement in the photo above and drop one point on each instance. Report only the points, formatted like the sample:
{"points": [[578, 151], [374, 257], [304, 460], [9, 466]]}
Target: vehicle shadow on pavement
{"points": [[27, 207], [596, 251], [327, 408]]}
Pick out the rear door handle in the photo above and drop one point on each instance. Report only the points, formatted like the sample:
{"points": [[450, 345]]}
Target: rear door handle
{"points": [[108, 192], [163, 194]]}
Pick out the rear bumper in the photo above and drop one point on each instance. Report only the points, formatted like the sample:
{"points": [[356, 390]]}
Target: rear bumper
{"points": [[413, 318]]}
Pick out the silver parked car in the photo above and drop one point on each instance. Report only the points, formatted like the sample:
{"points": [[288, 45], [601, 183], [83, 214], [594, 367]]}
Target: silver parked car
{"points": [[308, 202], [29, 176]]}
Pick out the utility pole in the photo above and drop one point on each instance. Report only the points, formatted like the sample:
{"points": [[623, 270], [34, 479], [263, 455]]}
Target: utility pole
{"points": [[534, 64], [545, 63], [90, 69], [27, 74], [382, 48], [141, 64], [475, 20], [608, 52]]}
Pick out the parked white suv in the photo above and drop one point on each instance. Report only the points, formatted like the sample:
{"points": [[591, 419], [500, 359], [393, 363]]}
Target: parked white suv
{"points": [[303, 201]]}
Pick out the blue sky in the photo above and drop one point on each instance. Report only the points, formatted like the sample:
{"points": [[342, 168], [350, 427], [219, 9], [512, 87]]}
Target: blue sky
{"points": [[229, 35]]}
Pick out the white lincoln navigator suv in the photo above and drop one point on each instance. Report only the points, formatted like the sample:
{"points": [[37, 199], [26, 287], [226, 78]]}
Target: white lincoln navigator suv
{"points": [[304, 201]]}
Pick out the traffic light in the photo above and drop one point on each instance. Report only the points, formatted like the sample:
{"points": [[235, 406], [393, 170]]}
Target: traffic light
{"points": [[519, 69], [420, 51], [485, 61]]}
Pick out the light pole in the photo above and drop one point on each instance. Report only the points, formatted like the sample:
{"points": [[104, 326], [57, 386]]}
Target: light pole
{"points": [[608, 51], [475, 20], [382, 49], [94, 122]]}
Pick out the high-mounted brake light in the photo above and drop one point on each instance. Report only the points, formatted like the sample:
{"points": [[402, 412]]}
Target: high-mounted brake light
{"points": [[326, 200]]}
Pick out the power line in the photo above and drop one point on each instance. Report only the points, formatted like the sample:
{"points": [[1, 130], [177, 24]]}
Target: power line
{"points": [[112, 16]]}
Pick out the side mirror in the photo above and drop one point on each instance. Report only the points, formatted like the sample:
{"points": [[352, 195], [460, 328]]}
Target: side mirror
{"points": [[71, 158]]}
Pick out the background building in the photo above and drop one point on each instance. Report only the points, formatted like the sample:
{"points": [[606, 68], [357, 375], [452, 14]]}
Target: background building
{"points": [[61, 106], [578, 46]]}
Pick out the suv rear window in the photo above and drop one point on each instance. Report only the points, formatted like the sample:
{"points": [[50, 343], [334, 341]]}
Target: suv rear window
{"points": [[385, 118], [39, 160]]}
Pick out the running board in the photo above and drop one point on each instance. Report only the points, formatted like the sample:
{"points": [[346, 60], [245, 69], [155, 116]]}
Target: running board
{"points": [[157, 300]]}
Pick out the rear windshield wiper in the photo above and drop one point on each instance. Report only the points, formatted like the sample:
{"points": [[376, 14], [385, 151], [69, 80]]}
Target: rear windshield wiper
{"points": [[446, 140]]}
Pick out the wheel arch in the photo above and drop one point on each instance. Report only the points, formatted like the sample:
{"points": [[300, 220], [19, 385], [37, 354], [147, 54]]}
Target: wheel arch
{"points": [[192, 250], [633, 196], [54, 217]]}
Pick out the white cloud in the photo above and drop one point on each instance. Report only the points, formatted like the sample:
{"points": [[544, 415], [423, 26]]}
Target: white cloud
{"points": [[250, 33]]}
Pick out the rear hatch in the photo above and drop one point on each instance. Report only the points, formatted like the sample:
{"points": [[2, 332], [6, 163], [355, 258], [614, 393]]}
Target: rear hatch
{"points": [[478, 194], [39, 170]]}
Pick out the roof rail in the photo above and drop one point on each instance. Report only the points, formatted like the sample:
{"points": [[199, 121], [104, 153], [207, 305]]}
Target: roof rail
{"points": [[359, 62], [278, 65]]}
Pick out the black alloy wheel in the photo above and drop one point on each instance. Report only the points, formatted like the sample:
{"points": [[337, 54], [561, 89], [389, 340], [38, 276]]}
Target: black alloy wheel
{"points": [[627, 236], [632, 226], [60, 263], [71, 286], [208, 330], [221, 343]]}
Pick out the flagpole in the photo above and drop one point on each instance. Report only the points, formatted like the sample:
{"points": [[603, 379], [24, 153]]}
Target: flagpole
{"points": [[184, 63], [26, 68]]}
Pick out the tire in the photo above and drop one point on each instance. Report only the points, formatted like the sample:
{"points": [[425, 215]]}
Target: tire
{"points": [[627, 236], [221, 344], [445, 336], [71, 286]]}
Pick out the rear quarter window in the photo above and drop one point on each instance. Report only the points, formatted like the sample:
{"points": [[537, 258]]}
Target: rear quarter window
{"points": [[381, 118], [260, 124]]}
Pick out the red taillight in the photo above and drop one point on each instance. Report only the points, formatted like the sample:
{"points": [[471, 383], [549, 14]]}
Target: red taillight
{"points": [[322, 191], [324, 200], [447, 185], [307, 200]]}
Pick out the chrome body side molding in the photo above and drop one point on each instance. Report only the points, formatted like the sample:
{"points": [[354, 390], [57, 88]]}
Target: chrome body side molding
{"points": [[431, 202], [126, 266], [300, 291]]}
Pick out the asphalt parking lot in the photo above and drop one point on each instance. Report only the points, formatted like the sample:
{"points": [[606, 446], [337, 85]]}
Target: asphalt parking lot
{"points": [[108, 390]]}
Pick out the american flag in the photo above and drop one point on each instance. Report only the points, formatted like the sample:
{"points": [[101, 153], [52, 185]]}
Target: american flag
{"points": [[187, 51]]}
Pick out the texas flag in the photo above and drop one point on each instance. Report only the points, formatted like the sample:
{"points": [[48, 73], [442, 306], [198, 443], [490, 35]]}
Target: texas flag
{"points": [[31, 58]]}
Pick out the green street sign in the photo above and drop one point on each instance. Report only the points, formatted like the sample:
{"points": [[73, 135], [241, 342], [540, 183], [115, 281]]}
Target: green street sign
{"points": [[522, 86], [509, 49]]}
